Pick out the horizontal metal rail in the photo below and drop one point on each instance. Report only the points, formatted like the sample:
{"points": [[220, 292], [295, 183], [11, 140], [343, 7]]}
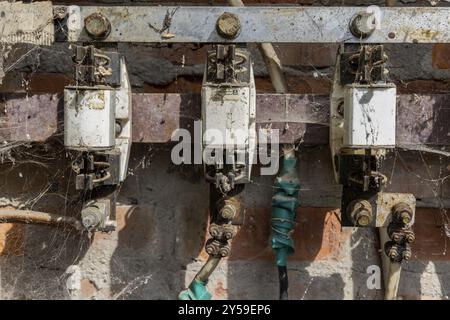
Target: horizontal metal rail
{"points": [[33, 23], [422, 120], [264, 24]]}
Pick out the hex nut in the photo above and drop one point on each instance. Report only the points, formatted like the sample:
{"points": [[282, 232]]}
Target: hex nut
{"points": [[97, 26], [228, 211], [360, 212], [228, 25], [403, 213], [363, 24]]}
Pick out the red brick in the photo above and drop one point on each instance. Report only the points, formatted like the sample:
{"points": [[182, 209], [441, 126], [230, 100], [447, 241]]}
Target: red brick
{"points": [[317, 235], [441, 56], [48, 82], [431, 241], [12, 237]]}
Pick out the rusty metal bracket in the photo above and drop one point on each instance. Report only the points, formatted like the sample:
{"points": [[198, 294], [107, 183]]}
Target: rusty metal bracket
{"points": [[199, 24], [266, 24]]}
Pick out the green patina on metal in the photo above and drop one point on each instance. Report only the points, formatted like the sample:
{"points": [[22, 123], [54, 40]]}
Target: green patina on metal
{"points": [[196, 291], [284, 209]]}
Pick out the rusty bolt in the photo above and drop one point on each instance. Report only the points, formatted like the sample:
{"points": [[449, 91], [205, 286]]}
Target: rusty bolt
{"points": [[363, 24], [229, 232], [410, 238], [224, 250], [396, 237], [406, 254], [215, 231], [392, 253], [228, 211], [360, 211], [97, 26], [403, 213], [228, 25], [212, 247]]}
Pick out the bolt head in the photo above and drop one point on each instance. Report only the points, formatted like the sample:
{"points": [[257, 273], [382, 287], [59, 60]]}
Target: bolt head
{"points": [[406, 254], [396, 238], [224, 251], [410, 238], [392, 253], [228, 25], [405, 217], [97, 26], [228, 235], [363, 24], [363, 219], [209, 249], [228, 212]]}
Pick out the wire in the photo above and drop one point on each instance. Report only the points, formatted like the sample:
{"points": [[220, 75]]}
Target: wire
{"points": [[284, 283]]}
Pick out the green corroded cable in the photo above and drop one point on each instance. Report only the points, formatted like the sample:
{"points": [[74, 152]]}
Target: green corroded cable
{"points": [[284, 208], [197, 289]]}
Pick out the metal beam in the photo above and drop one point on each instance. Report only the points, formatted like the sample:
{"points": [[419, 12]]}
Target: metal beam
{"points": [[263, 24], [421, 119], [33, 23]]}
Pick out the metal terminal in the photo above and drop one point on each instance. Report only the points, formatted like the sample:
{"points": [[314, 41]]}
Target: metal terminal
{"points": [[215, 231], [402, 213], [228, 211], [224, 250], [407, 253], [363, 24], [97, 26], [228, 25], [93, 215], [360, 212]]}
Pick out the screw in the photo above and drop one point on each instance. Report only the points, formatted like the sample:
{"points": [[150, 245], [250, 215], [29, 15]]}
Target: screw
{"points": [[363, 24], [392, 253], [89, 222], [214, 231], [360, 211], [97, 26], [90, 217], [228, 25], [224, 250], [363, 218], [228, 212], [209, 249], [403, 213], [396, 238], [410, 238], [407, 254], [405, 217]]}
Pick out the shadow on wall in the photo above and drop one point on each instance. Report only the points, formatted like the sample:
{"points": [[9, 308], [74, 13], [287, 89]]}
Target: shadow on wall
{"points": [[164, 228], [329, 262], [34, 260], [427, 275], [161, 232]]}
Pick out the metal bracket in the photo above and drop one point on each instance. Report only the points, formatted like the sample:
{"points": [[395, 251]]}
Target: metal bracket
{"points": [[264, 24], [205, 24]]}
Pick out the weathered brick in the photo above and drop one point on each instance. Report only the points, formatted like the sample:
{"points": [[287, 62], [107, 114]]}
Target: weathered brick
{"points": [[431, 241], [441, 56], [12, 237], [317, 235]]}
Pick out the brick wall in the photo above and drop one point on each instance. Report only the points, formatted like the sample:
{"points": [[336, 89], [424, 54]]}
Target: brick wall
{"points": [[162, 220]]}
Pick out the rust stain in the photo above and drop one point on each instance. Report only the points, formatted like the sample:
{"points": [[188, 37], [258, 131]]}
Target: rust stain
{"points": [[12, 239], [441, 56], [423, 35]]}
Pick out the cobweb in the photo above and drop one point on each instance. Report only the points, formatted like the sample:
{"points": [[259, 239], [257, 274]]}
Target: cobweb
{"points": [[38, 176]]}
